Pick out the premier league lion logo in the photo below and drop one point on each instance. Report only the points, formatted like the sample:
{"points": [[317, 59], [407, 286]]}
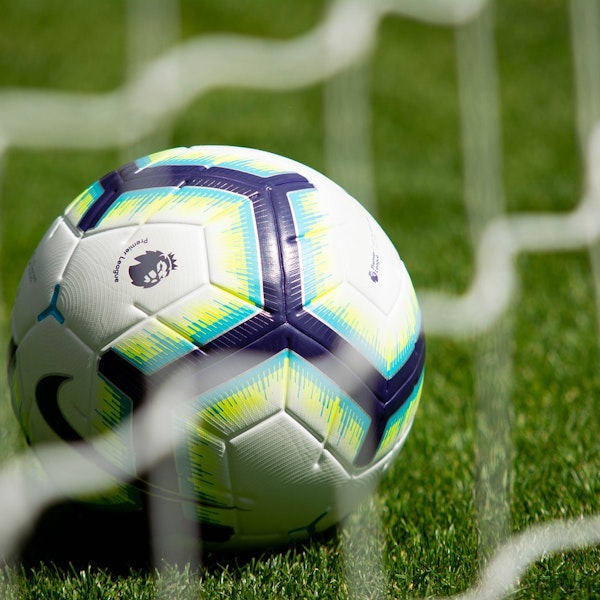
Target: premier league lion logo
{"points": [[151, 268]]}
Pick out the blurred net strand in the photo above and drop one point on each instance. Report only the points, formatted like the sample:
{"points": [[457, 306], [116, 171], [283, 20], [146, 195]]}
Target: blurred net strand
{"points": [[585, 21], [347, 133], [515, 556], [495, 282], [585, 24], [363, 546], [483, 198], [480, 121], [153, 27], [50, 118], [578, 230], [348, 159]]}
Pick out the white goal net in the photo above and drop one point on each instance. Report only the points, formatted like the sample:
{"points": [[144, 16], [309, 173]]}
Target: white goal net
{"points": [[335, 54]]}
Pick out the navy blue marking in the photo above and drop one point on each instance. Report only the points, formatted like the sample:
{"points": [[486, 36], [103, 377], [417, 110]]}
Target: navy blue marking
{"points": [[129, 178], [388, 395], [289, 251], [202, 370], [385, 389], [46, 397], [411, 373], [111, 184]]}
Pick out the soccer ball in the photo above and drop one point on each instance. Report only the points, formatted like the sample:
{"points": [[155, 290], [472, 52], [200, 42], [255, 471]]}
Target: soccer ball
{"points": [[267, 302]]}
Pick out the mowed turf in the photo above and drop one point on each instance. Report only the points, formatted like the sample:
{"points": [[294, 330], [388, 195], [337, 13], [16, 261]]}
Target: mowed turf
{"points": [[428, 502]]}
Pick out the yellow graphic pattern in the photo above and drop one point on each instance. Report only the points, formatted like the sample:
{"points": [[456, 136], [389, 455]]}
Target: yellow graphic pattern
{"points": [[108, 421], [386, 342], [78, 207], [197, 205], [160, 157], [203, 474], [239, 269], [325, 409], [136, 206], [228, 220], [246, 400], [200, 205], [113, 439], [253, 163], [399, 423], [152, 347], [322, 268], [209, 315]]}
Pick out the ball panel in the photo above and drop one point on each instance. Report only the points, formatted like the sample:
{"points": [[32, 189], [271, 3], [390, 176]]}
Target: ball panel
{"points": [[385, 341], [198, 205], [288, 475], [82, 203], [364, 310], [320, 254], [203, 472], [195, 205], [112, 446], [325, 409], [151, 346], [244, 400], [207, 314], [117, 277], [50, 350], [262, 164], [399, 423], [238, 269], [44, 271], [372, 264], [135, 207]]}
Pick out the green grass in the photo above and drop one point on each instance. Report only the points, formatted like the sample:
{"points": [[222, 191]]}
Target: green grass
{"points": [[427, 501]]}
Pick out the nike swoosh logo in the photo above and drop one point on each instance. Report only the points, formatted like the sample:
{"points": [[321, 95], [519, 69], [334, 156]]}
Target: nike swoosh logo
{"points": [[46, 397]]}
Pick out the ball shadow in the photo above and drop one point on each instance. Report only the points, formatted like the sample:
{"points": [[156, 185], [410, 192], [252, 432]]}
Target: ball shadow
{"points": [[73, 535], [76, 536]]}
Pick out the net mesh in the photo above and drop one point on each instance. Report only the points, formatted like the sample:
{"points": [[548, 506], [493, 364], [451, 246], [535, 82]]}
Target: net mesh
{"points": [[46, 118]]}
